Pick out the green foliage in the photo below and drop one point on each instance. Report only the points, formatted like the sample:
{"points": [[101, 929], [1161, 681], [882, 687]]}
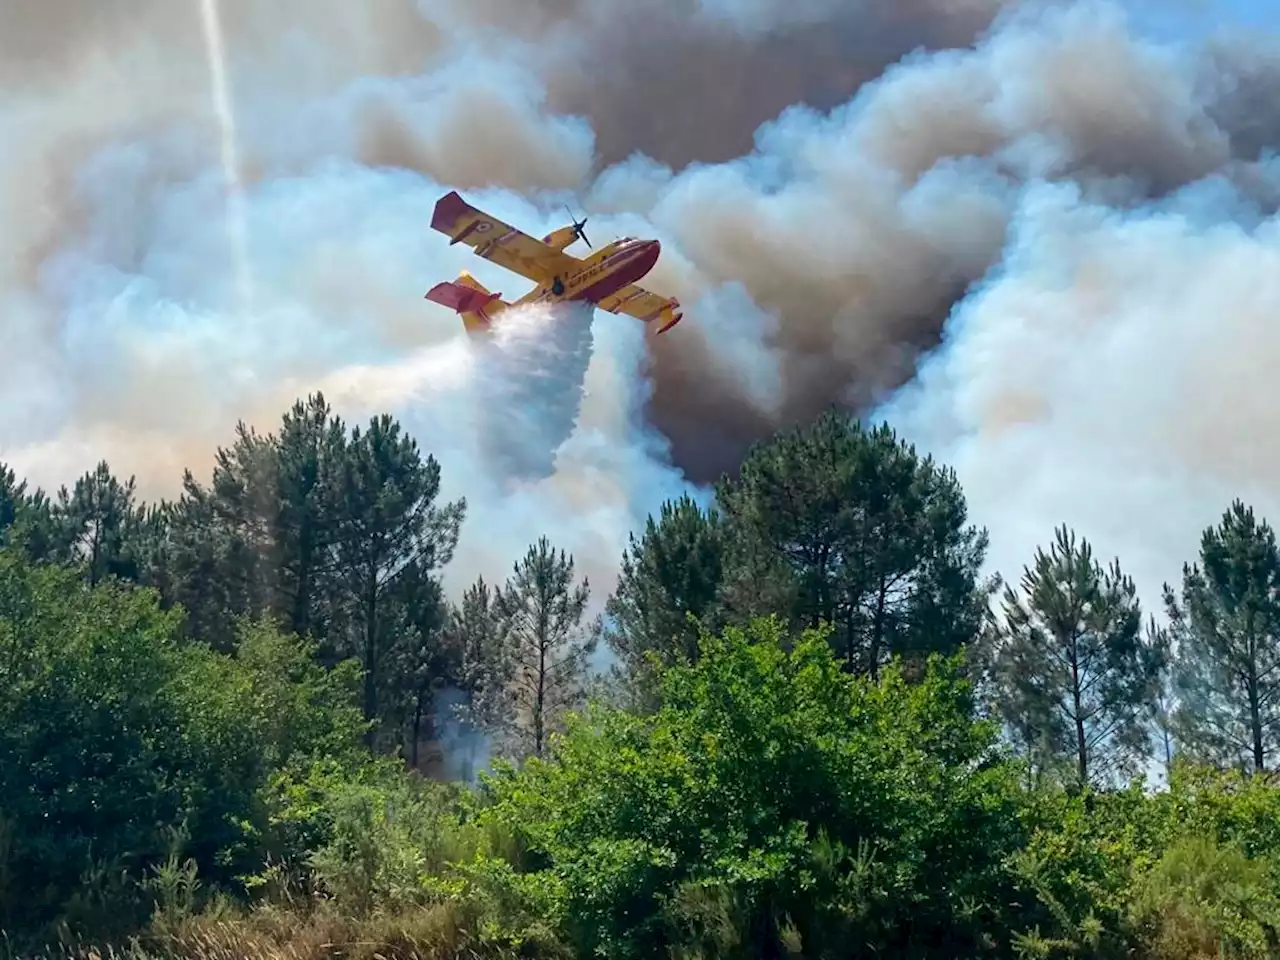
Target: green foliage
{"points": [[1204, 899], [300, 711], [388, 843], [114, 732], [101, 744], [668, 589], [1075, 871], [847, 526], [773, 781], [1078, 678], [1178, 874], [1228, 630]]}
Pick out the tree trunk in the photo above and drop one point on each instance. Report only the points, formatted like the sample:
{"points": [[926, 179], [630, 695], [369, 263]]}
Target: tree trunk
{"points": [[1082, 744], [539, 700], [825, 605], [415, 733], [1255, 724], [370, 658], [850, 654], [877, 631], [302, 597], [95, 552]]}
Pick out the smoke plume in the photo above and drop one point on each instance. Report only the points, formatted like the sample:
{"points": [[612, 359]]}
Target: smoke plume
{"points": [[1036, 239]]}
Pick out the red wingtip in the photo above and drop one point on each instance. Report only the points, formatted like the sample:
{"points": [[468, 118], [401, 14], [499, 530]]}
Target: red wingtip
{"points": [[448, 209], [676, 316]]}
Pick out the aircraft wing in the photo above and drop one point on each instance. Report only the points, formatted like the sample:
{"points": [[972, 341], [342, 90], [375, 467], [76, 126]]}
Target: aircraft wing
{"points": [[499, 242], [644, 306]]}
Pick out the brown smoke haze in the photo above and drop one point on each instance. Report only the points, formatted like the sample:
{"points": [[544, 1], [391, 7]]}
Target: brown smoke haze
{"points": [[1035, 238]]}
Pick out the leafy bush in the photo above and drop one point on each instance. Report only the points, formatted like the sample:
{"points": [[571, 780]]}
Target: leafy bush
{"points": [[122, 747], [1204, 899], [778, 797]]}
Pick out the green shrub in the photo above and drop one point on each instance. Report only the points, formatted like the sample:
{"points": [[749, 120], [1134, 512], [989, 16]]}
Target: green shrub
{"points": [[1205, 899], [122, 747], [775, 799]]}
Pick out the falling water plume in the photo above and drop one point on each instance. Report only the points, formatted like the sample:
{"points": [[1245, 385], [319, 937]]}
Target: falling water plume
{"points": [[237, 228]]}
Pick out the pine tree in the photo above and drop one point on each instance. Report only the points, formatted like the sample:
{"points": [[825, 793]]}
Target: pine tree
{"points": [[421, 658], [487, 674], [851, 527], [220, 540], [488, 667], [1227, 628], [310, 450], [26, 520], [207, 566], [539, 614], [239, 508], [388, 523], [1080, 675], [13, 494], [261, 538], [99, 522], [669, 584]]}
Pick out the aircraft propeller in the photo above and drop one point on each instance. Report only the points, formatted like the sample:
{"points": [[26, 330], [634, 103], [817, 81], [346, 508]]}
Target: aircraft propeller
{"points": [[578, 227]]}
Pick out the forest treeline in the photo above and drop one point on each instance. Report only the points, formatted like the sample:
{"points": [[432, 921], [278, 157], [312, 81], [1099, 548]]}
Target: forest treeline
{"points": [[825, 733]]}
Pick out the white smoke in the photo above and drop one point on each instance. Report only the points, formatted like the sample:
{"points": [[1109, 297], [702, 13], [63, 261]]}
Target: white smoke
{"points": [[1116, 373]]}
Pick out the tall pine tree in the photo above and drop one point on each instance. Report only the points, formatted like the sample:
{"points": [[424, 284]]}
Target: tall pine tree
{"points": [[1080, 676], [488, 666], [1227, 628], [310, 448], [539, 615], [206, 566], [421, 660], [487, 714], [388, 523], [100, 525], [670, 583]]}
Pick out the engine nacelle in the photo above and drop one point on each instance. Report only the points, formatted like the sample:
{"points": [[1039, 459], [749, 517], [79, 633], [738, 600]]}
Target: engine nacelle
{"points": [[559, 239]]}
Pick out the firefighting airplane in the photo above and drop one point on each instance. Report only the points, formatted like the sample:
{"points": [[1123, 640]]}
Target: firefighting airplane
{"points": [[606, 279]]}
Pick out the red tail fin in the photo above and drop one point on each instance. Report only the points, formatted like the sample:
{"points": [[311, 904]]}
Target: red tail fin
{"points": [[461, 299]]}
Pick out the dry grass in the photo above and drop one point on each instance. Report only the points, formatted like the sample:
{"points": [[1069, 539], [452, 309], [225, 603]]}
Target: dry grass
{"points": [[441, 932]]}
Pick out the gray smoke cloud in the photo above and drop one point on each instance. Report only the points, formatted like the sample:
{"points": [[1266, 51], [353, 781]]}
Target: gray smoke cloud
{"points": [[860, 228], [964, 198]]}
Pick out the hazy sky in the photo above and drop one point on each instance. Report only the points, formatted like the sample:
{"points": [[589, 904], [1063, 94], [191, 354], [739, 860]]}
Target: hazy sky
{"points": [[1198, 17]]}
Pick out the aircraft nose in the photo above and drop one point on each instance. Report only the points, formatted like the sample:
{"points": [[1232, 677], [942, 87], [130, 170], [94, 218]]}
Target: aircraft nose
{"points": [[649, 254]]}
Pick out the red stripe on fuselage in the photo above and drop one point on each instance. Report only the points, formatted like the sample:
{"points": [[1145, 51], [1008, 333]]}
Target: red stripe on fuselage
{"points": [[633, 264]]}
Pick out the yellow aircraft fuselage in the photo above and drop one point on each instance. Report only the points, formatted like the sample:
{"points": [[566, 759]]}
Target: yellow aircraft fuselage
{"points": [[602, 274], [606, 279]]}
